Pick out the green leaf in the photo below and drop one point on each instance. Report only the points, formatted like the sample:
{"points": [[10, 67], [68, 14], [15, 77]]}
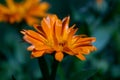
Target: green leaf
{"points": [[84, 75], [103, 35]]}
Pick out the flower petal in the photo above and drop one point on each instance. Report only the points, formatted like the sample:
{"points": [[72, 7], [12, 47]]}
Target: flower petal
{"points": [[11, 5], [37, 54], [59, 56], [87, 39], [58, 30], [32, 40], [35, 35], [68, 51], [31, 20], [65, 27], [30, 48], [71, 33], [80, 56]]}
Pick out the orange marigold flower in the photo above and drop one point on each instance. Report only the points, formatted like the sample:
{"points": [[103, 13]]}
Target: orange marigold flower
{"points": [[99, 1], [28, 10], [54, 35], [10, 13], [34, 10]]}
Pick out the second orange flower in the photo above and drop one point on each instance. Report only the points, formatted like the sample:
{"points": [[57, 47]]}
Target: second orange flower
{"points": [[28, 10]]}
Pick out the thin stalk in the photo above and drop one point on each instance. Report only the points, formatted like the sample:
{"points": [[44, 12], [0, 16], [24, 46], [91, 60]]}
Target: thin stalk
{"points": [[44, 68], [13, 78], [54, 70]]}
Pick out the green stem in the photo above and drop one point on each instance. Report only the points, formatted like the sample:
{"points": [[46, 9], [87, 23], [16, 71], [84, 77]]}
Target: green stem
{"points": [[44, 68], [13, 78], [54, 70]]}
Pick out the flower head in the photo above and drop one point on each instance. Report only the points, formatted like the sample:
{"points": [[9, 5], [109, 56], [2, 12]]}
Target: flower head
{"points": [[34, 10], [10, 13], [28, 10], [99, 1], [54, 36]]}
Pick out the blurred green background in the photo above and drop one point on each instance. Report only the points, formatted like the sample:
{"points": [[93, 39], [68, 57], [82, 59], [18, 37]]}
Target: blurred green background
{"points": [[97, 18]]}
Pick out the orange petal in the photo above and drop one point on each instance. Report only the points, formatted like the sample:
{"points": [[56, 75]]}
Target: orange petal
{"points": [[11, 5], [82, 44], [82, 50], [58, 29], [59, 56], [45, 26], [42, 47], [44, 6], [68, 51], [53, 19], [32, 40], [90, 39], [65, 24], [71, 33], [37, 53], [27, 4], [31, 20], [39, 29], [80, 56], [39, 9], [30, 48], [35, 35], [4, 9], [90, 48]]}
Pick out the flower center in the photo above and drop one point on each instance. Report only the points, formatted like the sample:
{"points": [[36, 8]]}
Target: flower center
{"points": [[61, 44]]}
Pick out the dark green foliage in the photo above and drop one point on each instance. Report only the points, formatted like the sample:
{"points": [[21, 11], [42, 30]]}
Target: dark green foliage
{"points": [[102, 22]]}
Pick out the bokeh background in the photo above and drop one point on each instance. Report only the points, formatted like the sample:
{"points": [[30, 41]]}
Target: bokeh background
{"points": [[97, 18]]}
